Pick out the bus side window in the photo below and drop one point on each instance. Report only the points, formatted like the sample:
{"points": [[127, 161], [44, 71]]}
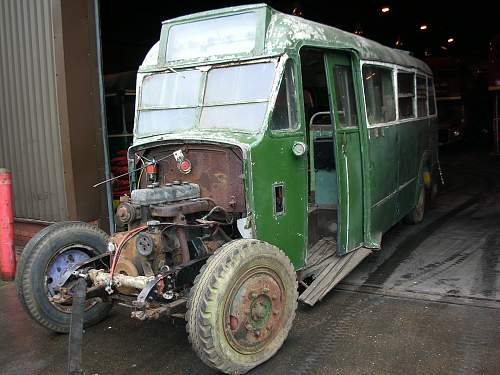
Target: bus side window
{"points": [[421, 96], [379, 94], [344, 96], [431, 96], [284, 113], [406, 95]]}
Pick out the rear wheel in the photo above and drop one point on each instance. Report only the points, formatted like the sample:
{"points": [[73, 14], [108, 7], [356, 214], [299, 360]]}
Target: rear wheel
{"points": [[55, 251], [416, 215], [435, 184], [242, 306]]}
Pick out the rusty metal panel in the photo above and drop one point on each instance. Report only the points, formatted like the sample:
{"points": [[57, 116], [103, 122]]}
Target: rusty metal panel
{"points": [[218, 170], [29, 126]]}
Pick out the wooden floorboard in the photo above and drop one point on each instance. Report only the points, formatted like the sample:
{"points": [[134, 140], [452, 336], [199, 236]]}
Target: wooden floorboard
{"points": [[327, 269]]}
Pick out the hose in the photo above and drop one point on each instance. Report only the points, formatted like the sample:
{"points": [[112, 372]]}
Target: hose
{"points": [[125, 238]]}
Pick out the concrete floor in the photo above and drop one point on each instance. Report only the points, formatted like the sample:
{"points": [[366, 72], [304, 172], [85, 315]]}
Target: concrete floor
{"points": [[429, 303]]}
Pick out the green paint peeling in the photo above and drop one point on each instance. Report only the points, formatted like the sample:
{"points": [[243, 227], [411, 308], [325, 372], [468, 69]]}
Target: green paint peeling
{"points": [[371, 167]]}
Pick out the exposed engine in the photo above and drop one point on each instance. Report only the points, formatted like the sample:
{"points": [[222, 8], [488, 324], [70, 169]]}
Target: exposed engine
{"points": [[168, 239], [169, 228]]}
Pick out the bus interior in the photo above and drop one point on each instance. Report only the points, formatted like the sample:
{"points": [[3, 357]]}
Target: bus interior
{"points": [[322, 199]]}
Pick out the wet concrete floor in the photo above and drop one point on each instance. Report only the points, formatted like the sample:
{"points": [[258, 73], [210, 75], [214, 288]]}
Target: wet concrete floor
{"points": [[429, 303]]}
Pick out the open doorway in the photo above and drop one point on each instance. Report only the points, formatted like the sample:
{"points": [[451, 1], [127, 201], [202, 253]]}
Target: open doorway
{"points": [[323, 192]]}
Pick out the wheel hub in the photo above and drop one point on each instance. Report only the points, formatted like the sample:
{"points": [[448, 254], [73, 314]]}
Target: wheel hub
{"points": [[260, 310], [60, 264], [254, 310]]}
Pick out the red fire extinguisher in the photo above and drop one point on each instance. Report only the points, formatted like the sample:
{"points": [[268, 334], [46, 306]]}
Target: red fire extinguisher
{"points": [[7, 252]]}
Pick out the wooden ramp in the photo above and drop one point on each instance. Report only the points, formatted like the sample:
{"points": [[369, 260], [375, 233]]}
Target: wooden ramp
{"points": [[327, 269]]}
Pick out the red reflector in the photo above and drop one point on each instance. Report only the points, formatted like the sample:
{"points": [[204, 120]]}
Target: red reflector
{"points": [[185, 166], [151, 168]]}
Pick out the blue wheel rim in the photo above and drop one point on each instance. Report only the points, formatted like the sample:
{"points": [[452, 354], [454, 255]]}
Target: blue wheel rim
{"points": [[60, 264]]}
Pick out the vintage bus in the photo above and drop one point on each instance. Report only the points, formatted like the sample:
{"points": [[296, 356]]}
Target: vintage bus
{"points": [[268, 151]]}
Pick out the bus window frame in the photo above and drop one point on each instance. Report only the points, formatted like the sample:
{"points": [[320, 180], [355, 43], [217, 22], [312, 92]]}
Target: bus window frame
{"points": [[394, 87], [395, 68], [414, 101], [431, 78], [280, 77], [206, 67], [424, 76]]}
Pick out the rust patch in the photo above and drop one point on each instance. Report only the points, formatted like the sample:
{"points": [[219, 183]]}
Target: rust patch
{"points": [[218, 170], [254, 311], [174, 209]]}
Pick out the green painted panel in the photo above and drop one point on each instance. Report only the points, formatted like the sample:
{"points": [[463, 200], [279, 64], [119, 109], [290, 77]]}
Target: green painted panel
{"points": [[412, 140], [273, 162], [383, 175], [350, 192], [373, 164], [346, 115]]}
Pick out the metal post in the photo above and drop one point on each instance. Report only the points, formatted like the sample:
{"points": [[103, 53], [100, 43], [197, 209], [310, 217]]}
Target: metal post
{"points": [[7, 251], [104, 126]]}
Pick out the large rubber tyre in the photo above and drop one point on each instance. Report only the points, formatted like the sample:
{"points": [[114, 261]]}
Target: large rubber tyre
{"points": [[243, 273], [32, 281], [27, 250], [416, 215], [435, 185]]}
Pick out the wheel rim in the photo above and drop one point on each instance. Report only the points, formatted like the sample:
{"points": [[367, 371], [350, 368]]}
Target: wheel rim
{"points": [[58, 264], [254, 310], [421, 204]]}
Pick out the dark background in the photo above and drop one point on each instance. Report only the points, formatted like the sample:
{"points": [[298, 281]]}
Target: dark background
{"points": [[130, 28]]}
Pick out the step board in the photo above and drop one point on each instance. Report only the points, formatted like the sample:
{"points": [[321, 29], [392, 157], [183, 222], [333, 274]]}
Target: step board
{"points": [[328, 269]]}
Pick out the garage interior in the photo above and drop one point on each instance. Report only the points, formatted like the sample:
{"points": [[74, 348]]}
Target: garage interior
{"points": [[427, 303]]}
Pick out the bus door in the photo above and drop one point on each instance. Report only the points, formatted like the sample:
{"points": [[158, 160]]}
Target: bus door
{"points": [[345, 114]]}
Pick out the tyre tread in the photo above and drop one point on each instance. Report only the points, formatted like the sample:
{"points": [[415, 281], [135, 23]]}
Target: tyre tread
{"points": [[27, 293], [202, 297]]}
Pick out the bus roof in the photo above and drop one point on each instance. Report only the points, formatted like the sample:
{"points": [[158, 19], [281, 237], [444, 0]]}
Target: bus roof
{"points": [[281, 32]]}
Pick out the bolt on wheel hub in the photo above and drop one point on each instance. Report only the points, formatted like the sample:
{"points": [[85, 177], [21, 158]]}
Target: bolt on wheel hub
{"points": [[253, 310]]}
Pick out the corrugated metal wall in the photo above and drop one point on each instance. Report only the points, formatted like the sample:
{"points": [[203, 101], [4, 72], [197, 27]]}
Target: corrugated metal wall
{"points": [[29, 131]]}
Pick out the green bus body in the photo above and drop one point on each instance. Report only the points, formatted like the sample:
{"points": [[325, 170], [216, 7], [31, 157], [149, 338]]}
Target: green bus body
{"points": [[380, 167]]}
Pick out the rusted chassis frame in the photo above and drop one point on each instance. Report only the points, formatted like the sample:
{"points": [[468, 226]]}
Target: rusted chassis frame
{"points": [[150, 302]]}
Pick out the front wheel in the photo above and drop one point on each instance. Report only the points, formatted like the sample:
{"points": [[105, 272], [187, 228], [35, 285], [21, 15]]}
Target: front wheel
{"points": [[49, 256], [242, 306]]}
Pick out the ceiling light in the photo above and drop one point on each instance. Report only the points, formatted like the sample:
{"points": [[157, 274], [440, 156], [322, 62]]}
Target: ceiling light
{"points": [[451, 40], [423, 27], [385, 9]]}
